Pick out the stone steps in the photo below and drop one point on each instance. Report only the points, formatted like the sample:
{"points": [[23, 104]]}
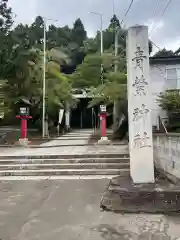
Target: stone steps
{"points": [[65, 166], [67, 156], [55, 177], [30, 166], [65, 172], [65, 161]]}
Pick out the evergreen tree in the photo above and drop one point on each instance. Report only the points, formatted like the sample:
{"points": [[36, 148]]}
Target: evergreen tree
{"points": [[79, 34], [36, 32], [164, 53], [114, 23], [5, 16]]}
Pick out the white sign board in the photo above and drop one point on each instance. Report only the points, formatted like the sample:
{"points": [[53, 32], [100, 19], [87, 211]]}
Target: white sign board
{"points": [[103, 108]]}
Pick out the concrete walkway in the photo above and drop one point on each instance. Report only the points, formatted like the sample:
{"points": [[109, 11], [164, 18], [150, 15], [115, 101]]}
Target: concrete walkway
{"points": [[71, 140], [69, 210], [62, 140]]}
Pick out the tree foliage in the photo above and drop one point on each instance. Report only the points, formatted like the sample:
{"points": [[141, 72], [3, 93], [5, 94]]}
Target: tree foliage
{"points": [[72, 61], [6, 17], [170, 100], [78, 32], [164, 53]]}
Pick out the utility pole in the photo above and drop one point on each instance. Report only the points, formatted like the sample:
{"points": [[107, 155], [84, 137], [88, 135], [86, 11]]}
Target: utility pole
{"points": [[116, 45], [102, 47], [101, 28], [116, 48], [44, 82], [103, 115], [44, 77]]}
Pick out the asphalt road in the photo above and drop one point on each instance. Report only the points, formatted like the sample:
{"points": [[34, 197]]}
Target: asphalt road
{"points": [[69, 210]]}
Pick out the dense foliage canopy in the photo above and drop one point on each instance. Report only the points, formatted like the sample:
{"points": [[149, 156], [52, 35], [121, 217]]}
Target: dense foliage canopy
{"points": [[72, 61]]}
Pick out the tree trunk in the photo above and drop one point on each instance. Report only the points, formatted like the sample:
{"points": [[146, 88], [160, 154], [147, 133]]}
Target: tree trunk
{"points": [[46, 127], [116, 115]]}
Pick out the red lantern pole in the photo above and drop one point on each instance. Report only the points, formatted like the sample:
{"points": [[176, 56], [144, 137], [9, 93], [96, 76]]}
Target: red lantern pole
{"points": [[23, 140], [103, 125], [103, 115]]}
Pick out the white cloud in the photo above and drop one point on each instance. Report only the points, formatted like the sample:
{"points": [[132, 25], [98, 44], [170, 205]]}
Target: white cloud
{"points": [[173, 45], [24, 10], [168, 45], [154, 26]]}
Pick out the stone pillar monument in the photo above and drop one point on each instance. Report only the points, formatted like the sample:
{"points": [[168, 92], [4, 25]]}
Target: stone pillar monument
{"points": [[139, 106]]}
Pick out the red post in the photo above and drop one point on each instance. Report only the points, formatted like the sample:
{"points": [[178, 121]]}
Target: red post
{"points": [[103, 125], [23, 128], [103, 115], [24, 125]]}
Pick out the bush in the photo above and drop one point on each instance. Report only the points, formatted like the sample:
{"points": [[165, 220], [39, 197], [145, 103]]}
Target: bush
{"points": [[170, 100]]}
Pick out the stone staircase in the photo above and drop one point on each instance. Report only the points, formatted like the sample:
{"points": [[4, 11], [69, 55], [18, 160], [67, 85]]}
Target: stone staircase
{"points": [[64, 167]]}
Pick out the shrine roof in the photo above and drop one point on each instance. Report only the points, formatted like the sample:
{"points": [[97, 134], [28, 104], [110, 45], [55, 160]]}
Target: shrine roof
{"points": [[165, 60]]}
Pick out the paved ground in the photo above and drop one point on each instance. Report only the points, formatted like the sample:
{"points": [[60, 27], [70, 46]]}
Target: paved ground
{"points": [[69, 210], [66, 139]]}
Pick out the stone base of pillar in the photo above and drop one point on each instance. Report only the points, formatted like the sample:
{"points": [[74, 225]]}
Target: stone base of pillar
{"points": [[124, 196], [23, 142], [104, 141]]}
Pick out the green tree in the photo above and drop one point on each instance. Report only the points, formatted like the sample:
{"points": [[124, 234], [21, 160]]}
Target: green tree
{"points": [[109, 87], [6, 22], [36, 33], [170, 102], [5, 26], [58, 36], [114, 89], [91, 46], [24, 79], [177, 51], [79, 34], [88, 73], [164, 53], [22, 62], [6, 17], [114, 22], [59, 87]]}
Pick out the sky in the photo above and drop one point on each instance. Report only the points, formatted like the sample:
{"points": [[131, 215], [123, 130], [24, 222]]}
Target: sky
{"points": [[164, 30]]}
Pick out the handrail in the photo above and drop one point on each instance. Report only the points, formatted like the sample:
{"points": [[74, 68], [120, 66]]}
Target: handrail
{"points": [[162, 123]]}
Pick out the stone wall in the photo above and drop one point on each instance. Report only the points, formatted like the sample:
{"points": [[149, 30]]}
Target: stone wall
{"points": [[167, 154]]}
